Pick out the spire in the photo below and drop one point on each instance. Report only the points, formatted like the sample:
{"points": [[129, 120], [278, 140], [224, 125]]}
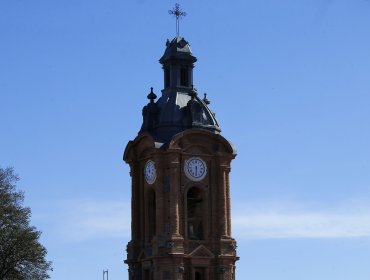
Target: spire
{"points": [[205, 100], [150, 113], [193, 92], [151, 96]]}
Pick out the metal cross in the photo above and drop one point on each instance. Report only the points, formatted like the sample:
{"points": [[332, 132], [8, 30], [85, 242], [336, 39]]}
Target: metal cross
{"points": [[176, 12]]}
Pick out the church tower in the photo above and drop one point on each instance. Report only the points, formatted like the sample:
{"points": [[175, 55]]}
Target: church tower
{"points": [[180, 165]]}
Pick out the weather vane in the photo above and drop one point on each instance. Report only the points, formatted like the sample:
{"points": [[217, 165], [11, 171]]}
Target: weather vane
{"points": [[176, 12]]}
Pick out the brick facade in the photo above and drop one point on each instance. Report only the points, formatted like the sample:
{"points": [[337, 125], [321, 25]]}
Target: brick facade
{"points": [[181, 223]]}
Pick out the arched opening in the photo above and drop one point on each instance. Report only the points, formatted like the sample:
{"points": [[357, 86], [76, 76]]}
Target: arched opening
{"points": [[199, 273], [198, 276], [167, 77], [195, 214], [148, 274], [184, 76], [152, 215]]}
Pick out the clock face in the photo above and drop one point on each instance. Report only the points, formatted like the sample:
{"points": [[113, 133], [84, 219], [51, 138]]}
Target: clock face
{"points": [[149, 172], [195, 168]]}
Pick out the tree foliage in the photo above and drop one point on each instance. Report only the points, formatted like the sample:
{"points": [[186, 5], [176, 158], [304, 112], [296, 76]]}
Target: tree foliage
{"points": [[22, 257]]}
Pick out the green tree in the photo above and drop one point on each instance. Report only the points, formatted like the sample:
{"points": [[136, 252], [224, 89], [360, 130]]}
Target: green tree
{"points": [[22, 257]]}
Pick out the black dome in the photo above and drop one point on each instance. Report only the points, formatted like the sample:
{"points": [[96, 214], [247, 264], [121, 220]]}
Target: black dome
{"points": [[179, 108]]}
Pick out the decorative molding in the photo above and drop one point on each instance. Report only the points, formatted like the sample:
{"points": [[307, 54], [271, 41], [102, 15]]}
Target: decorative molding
{"points": [[201, 252]]}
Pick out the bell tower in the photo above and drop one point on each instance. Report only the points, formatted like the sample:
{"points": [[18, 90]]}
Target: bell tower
{"points": [[180, 166]]}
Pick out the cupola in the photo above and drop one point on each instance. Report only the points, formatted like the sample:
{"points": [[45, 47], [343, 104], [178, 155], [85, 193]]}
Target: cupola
{"points": [[179, 107]]}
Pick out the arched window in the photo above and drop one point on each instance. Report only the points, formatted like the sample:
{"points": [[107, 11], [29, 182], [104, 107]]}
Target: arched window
{"points": [[152, 215], [195, 214]]}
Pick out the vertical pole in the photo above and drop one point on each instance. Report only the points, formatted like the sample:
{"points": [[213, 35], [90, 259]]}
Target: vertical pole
{"points": [[178, 28], [105, 272]]}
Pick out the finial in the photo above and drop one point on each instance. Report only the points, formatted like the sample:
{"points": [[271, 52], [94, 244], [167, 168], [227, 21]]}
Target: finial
{"points": [[205, 100], [193, 92], [151, 95], [176, 12]]}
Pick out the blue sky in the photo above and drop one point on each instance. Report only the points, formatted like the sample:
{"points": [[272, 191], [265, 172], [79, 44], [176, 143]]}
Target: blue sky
{"points": [[289, 82]]}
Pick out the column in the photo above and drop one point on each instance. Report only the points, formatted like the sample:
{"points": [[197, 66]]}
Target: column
{"points": [[174, 194], [228, 208], [222, 201]]}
